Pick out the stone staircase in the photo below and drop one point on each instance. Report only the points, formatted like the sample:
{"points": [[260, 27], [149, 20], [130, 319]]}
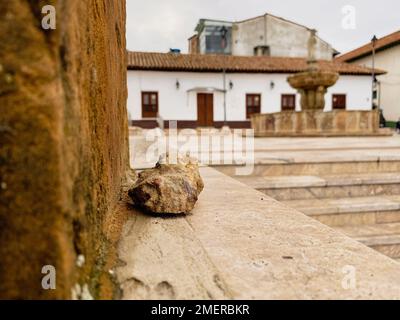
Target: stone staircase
{"points": [[359, 198], [240, 244], [351, 184], [384, 237]]}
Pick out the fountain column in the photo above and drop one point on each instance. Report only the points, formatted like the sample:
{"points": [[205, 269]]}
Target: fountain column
{"points": [[313, 83]]}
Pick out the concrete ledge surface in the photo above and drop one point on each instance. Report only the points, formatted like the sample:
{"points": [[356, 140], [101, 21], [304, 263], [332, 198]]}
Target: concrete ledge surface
{"points": [[240, 244]]}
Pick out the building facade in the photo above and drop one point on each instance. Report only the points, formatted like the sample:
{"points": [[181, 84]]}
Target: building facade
{"points": [[190, 88], [265, 35], [212, 37], [387, 89]]}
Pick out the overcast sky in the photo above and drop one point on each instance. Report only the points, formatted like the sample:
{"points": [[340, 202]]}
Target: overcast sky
{"points": [[157, 25]]}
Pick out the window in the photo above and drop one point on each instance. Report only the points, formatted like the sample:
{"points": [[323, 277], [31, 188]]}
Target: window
{"points": [[214, 42], [149, 104], [338, 101], [262, 51], [288, 102], [253, 104]]}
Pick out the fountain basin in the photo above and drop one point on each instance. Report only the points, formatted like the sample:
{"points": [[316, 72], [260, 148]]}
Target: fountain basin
{"points": [[313, 80], [317, 123], [312, 86]]}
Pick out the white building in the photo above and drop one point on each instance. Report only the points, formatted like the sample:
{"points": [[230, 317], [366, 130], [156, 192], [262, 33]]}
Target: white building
{"points": [[387, 57], [190, 88], [263, 35]]}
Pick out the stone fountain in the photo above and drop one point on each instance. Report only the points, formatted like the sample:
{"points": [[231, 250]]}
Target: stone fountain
{"points": [[313, 83]]}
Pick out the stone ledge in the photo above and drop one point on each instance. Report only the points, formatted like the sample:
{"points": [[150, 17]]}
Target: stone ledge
{"points": [[240, 244], [380, 133], [323, 181], [327, 206]]}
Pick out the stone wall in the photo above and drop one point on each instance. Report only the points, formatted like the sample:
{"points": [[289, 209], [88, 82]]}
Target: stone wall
{"points": [[317, 123], [63, 143]]}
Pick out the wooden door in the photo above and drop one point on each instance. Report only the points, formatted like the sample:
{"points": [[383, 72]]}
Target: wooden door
{"points": [[205, 109], [339, 101], [253, 104], [149, 104], [288, 102]]}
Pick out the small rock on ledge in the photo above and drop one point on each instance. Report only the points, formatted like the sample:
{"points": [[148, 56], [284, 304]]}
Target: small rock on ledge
{"points": [[168, 188]]}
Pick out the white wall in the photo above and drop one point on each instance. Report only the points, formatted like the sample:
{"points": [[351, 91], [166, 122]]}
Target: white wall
{"points": [[357, 89], [179, 105], [388, 60], [259, 84]]}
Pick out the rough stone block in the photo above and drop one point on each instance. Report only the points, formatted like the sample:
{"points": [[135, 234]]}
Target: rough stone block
{"points": [[311, 121], [353, 122], [341, 120], [326, 121], [286, 122], [168, 188]]}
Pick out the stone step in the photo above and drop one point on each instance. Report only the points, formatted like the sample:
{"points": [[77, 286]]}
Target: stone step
{"points": [[286, 167], [240, 244], [384, 238], [350, 211], [324, 162], [284, 188]]}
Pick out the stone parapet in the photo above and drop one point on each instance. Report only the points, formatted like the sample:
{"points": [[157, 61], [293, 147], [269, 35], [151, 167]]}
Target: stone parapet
{"points": [[241, 244], [318, 123]]}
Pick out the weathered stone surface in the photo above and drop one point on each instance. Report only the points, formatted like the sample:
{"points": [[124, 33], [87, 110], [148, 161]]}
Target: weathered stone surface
{"points": [[312, 86], [341, 120], [286, 122], [216, 253], [314, 83], [353, 122], [168, 188], [63, 139], [317, 123]]}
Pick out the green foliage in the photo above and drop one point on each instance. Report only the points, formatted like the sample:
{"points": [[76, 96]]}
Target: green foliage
{"points": [[391, 124]]}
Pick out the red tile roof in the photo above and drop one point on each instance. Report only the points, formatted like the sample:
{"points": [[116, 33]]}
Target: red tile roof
{"points": [[382, 44], [233, 64]]}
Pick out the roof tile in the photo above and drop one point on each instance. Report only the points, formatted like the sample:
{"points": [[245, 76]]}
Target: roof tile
{"points": [[234, 64], [381, 44]]}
